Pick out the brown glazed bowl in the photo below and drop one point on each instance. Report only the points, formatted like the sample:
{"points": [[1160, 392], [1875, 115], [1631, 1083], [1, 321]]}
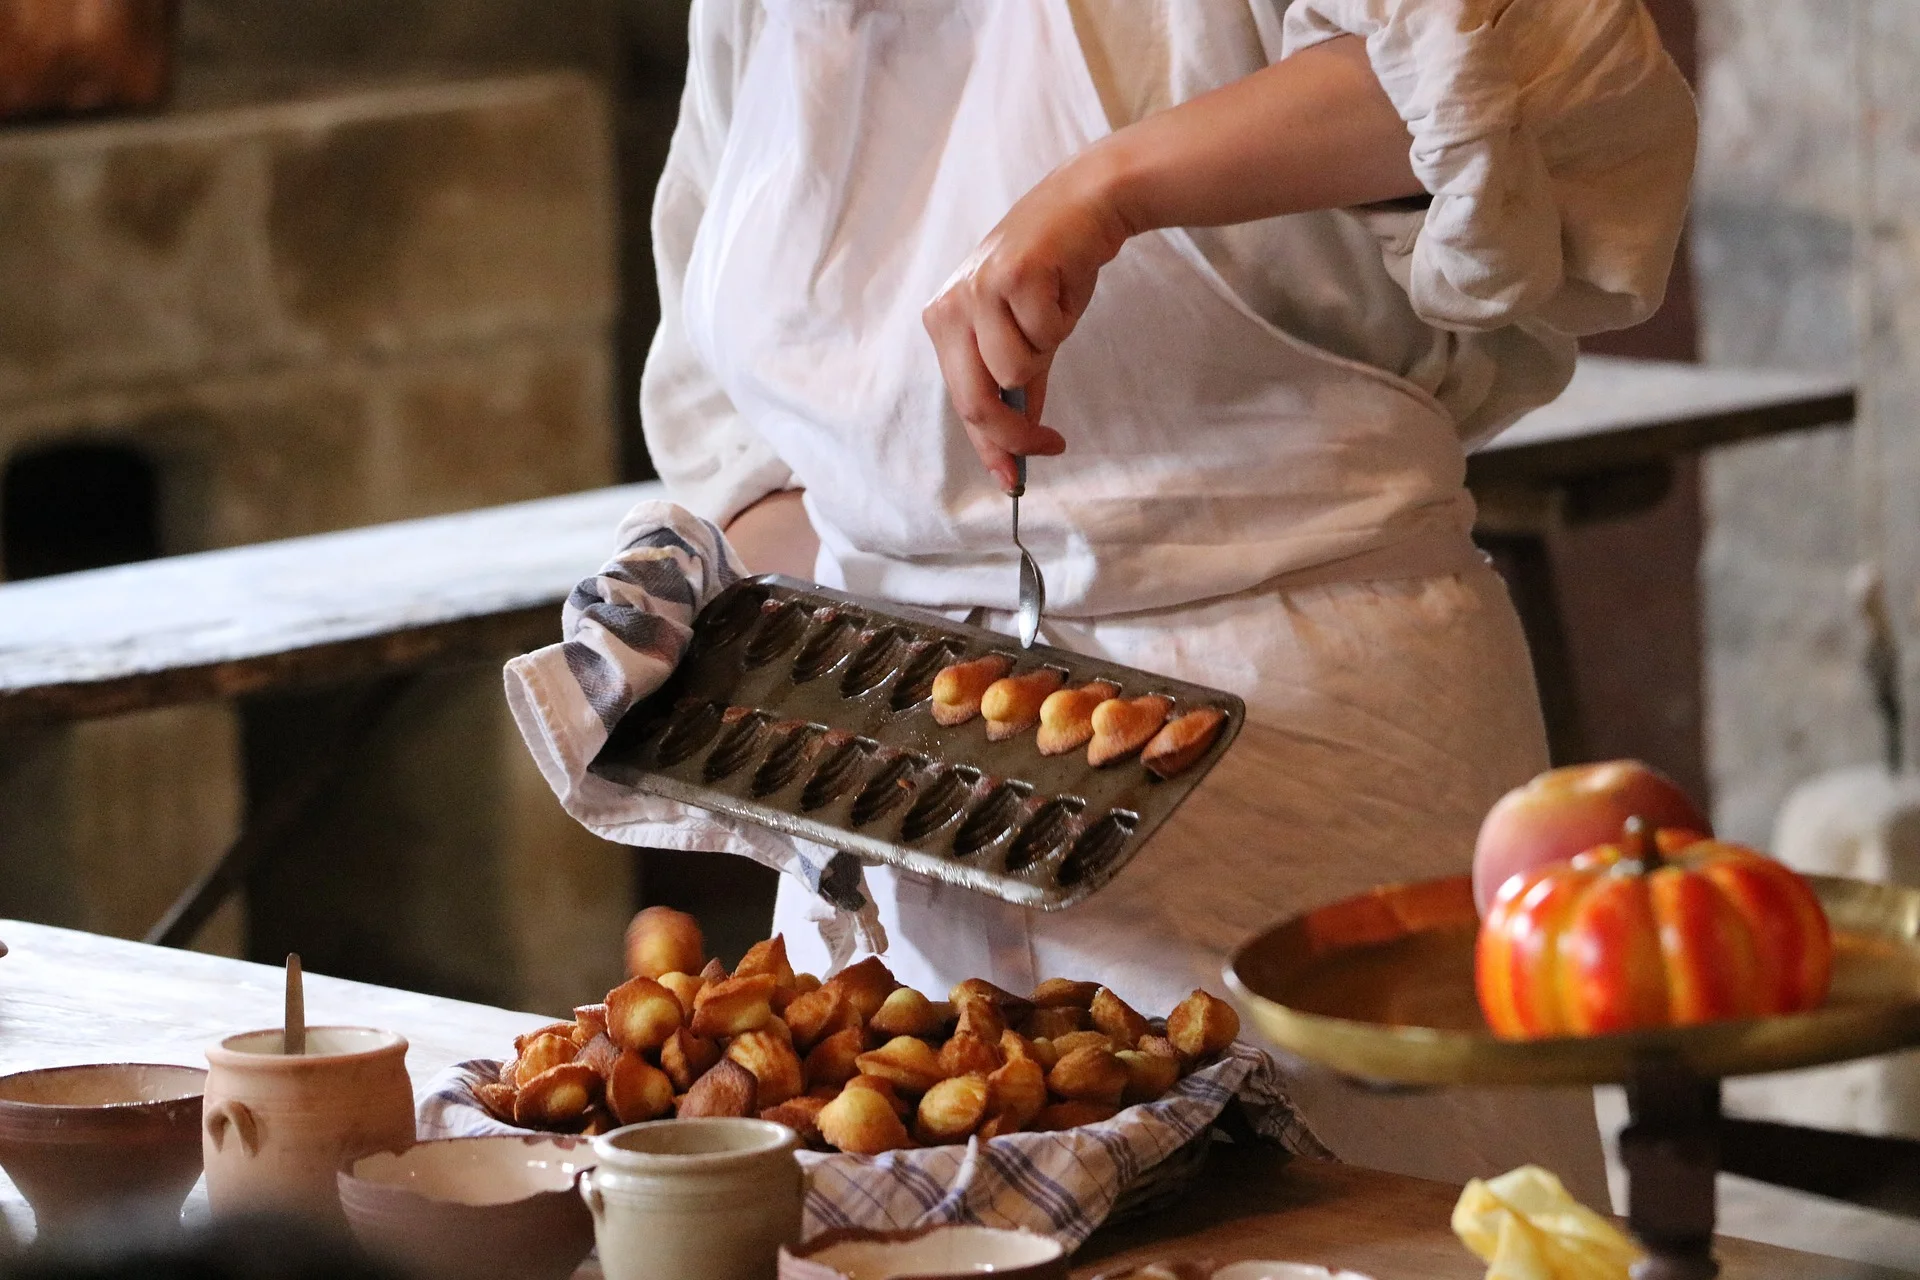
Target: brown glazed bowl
{"points": [[925, 1253], [501, 1206], [123, 1136]]}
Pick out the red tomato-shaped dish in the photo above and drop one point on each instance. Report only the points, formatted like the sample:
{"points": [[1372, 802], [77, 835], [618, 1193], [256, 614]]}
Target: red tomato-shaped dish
{"points": [[1636, 935]]}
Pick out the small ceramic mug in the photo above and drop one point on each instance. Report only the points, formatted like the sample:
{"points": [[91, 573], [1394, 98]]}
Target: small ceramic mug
{"points": [[706, 1199], [277, 1127]]}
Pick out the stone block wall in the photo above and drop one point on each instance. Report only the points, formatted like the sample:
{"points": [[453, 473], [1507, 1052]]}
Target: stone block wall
{"points": [[313, 312], [1777, 199]]}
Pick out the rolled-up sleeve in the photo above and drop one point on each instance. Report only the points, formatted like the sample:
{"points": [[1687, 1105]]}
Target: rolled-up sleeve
{"points": [[713, 461], [1556, 138]]}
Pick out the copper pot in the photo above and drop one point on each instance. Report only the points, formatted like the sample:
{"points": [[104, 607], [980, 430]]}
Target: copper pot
{"points": [[64, 56]]}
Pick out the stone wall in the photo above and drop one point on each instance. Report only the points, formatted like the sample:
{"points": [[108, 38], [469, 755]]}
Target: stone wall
{"points": [[1778, 193], [311, 312]]}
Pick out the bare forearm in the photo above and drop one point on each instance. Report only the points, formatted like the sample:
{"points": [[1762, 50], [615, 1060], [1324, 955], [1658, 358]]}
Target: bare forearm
{"points": [[775, 536], [1315, 131]]}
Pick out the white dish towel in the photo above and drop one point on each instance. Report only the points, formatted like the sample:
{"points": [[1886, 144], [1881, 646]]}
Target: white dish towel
{"points": [[623, 632]]}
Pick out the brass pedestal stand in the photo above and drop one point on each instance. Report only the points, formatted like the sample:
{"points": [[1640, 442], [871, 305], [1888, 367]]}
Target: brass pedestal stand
{"points": [[1380, 988]]}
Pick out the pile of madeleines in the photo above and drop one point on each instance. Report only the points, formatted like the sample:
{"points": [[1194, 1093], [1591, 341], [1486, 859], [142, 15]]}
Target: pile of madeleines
{"points": [[1093, 715], [858, 1063]]}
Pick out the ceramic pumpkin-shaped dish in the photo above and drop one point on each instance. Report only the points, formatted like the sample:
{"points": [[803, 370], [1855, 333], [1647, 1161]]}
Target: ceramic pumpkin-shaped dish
{"points": [[1658, 930]]}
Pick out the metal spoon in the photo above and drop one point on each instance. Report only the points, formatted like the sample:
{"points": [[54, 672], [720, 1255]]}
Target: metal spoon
{"points": [[1033, 587]]}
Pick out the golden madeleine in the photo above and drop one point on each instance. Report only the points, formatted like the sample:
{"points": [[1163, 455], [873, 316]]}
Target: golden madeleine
{"points": [[497, 1098], [589, 1020], [1117, 1018], [1201, 1026], [733, 1007], [802, 1115], [542, 1054], [866, 985], [1148, 1075], [1182, 741], [600, 1053], [861, 1122], [558, 1097], [1090, 1073], [685, 1057], [977, 1016], [966, 1054], [685, 988], [637, 1090], [642, 1014], [812, 1016], [1014, 1045], [1066, 1044], [1066, 717], [727, 1089], [525, 1038], [1123, 726], [1056, 1020], [774, 1064], [662, 940], [906, 1013], [901, 1107], [908, 1063], [951, 1110], [835, 1060], [1056, 993], [1016, 1093], [1011, 704], [957, 690], [769, 957]]}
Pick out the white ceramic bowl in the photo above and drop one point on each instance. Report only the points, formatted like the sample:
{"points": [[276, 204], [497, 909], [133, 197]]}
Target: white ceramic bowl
{"points": [[932, 1253], [474, 1208]]}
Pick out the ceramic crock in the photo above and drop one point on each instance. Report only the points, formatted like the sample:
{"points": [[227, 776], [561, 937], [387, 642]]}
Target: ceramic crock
{"points": [[705, 1199], [278, 1127]]}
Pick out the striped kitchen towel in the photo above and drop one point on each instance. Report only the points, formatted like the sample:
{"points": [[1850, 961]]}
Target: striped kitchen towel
{"points": [[1060, 1184], [622, 633]]}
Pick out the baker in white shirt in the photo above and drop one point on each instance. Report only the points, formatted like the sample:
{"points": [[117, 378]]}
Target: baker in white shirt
{"points": [[1266, 272]]}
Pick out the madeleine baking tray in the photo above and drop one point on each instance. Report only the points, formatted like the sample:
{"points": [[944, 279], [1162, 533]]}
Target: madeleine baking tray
{"points": [[805, 711]]}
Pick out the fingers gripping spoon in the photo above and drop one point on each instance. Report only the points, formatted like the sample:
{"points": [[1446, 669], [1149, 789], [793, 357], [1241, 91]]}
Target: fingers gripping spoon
{"points": [[1033, 587]]}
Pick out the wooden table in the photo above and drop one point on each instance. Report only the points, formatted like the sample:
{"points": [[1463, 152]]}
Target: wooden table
{"points": [[1250, 1205], [69, 997]]}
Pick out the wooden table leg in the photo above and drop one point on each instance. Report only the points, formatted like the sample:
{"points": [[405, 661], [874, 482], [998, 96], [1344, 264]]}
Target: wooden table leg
{"points": [[1671, 1149], [282, 811], [1523, 561]]}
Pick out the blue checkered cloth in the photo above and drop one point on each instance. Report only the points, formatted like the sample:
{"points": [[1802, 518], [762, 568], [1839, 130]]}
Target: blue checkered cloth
{"points": [[1060, 1184]]}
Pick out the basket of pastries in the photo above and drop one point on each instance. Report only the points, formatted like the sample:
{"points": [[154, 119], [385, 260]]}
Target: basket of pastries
{"points": [[1051, 1110]]}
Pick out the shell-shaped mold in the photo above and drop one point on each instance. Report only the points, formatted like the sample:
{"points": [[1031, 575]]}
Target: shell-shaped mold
{"points": [[737, 745], [925, 662], [991, 819], [781, 626], [872, 662], [940, 802], [826, 644], [797, 744], [1044, 832], [890, 784], [691, 729], [836, 774], [1096, 849]]}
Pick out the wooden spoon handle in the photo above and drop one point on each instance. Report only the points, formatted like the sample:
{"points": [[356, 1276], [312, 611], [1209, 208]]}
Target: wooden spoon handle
{"points": [[294, 1036]]}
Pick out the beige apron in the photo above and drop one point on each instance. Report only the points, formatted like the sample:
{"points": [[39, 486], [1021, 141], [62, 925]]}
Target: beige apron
{"points": [[1236, 507]]}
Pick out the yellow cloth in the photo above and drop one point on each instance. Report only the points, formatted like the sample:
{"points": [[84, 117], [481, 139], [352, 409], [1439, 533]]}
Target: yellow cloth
{"points": [[1525, 1226]]}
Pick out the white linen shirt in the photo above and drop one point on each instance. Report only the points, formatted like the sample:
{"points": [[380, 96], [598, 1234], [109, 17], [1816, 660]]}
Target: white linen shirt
{"points": [[1556, 141]]}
